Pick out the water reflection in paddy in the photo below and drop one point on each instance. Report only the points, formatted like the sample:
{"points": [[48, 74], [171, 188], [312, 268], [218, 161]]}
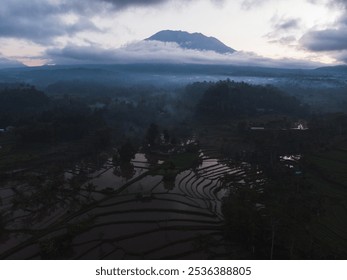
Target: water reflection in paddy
{"points": [[149, 218]]}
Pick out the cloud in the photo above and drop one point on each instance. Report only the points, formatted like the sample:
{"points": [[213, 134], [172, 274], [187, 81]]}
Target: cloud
{"points": [[340, 3], [127, 3], [249, 4], [121, 4], [286, 40], [283, 30], [332, 40], [325, 40], [159, 52], [287, 24], [342, 56], [40, 21], [336, 3]]}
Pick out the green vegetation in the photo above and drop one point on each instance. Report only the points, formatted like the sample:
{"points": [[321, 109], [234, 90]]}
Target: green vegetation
{"points": [[227, 99], [21, 100]]}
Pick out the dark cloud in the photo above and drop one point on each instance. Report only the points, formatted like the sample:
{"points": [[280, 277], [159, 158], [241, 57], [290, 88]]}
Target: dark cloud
{"points": [[40, 21], [333, 39], [72, 54], [342, 56], [325, 40]]}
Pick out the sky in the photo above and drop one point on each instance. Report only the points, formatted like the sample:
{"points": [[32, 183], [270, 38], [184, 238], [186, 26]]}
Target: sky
{"points": [[296, 33]]}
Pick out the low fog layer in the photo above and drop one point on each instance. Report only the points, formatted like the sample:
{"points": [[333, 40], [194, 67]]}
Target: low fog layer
{"points": [[162, 52]]}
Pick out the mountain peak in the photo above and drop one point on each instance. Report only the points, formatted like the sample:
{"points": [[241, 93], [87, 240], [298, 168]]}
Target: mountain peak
{"points": [[194, 41]]}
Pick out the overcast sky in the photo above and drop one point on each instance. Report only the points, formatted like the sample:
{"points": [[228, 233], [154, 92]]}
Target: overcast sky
{"points": [[265, 32]]}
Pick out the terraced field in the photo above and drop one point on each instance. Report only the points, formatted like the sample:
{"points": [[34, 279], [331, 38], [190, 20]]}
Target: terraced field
{"points": [[142, 217]]}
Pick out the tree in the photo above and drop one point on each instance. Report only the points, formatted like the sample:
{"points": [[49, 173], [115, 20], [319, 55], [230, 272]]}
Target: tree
{"points": [[152, 134], [166, 136], [126, 151]]}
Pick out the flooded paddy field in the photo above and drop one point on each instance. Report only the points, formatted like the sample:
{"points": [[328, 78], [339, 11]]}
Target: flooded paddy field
{"points": [[120, 212]]}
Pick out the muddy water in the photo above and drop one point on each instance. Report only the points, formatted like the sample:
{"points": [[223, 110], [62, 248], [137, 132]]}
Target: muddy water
{"points": [[149, 219]]}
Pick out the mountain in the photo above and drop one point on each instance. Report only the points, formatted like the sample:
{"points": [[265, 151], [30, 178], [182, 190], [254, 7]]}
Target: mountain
{"points": [[194, 41], [8, 63], [339, 69]]}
